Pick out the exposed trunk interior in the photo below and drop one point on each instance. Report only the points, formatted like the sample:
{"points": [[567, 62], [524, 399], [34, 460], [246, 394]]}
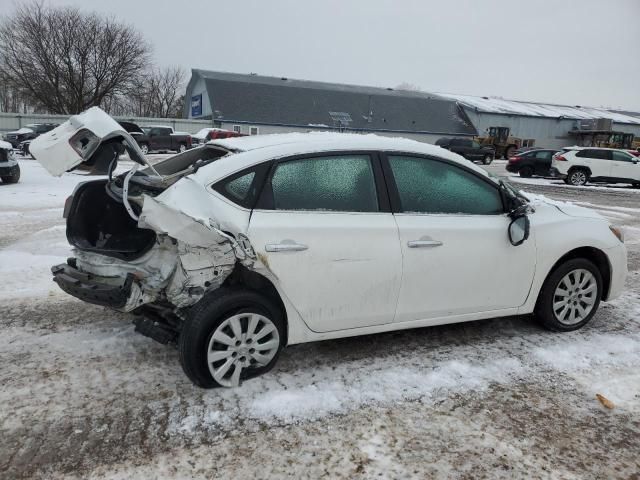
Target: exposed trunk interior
{"points": [[98, 222]]}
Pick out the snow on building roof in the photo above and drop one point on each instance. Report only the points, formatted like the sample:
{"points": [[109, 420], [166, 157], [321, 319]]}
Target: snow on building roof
{"points": [[535, 109]]}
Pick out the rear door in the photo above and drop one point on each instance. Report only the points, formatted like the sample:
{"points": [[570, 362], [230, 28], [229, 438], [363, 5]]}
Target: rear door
{"points": [[596, 160], [542, 159], [624, 165], [324, 229]]}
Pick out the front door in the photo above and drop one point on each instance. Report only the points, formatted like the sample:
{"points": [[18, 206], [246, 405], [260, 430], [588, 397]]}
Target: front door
{"points": [[624, 166], [457, 258], [321, 230]]}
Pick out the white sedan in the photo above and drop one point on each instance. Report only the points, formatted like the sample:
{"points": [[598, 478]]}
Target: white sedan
{"points": [[236, 249]]}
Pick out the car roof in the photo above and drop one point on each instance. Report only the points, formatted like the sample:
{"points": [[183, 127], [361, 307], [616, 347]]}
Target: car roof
{"points": [[256, 149]]}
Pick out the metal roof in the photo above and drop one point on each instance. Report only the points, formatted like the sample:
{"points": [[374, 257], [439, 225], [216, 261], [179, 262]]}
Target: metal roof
{"points": [[534, 109], [265, 100]]}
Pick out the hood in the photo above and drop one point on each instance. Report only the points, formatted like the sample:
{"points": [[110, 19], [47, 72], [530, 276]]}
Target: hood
{"points": [[567, 208], [90, 140], [6, 145]]}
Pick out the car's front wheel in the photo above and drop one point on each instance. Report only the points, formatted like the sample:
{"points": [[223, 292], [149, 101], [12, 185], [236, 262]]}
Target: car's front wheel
{"points": [[144, 148], [570, 296], [230, 336], [487, 159]]}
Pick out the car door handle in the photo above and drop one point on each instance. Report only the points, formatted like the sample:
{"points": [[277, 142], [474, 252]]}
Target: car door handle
{"points": [[423, 243], [285, 246]]}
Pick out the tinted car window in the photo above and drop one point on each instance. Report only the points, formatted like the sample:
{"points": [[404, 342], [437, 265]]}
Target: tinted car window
{"points": [[543, 155], [342, 183], [243, 187], [621, 156], [431, 186], [593, 153]]}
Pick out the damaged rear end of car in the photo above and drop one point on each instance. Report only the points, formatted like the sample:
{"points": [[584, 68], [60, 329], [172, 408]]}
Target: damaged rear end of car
{"points": [[143, 241]]}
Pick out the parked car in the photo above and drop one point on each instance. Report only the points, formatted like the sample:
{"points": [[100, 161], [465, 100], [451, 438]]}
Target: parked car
{"points": [[468, 148], [243, 246], [577, 167], [163, 138], [28, 132], [207, 134], [9, 167], [531, 162]]}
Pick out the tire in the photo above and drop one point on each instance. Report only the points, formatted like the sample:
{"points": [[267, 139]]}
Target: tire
{"points": [[144, 148], [526, 172], [11, 178], [578, 177], [561, 320], [181, 148], [487, 160], [215, 314]]}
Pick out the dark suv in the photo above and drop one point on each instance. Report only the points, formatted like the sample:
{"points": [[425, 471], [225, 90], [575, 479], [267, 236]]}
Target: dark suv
{"points": [[532, 162], [468, 148], [28, 132]]}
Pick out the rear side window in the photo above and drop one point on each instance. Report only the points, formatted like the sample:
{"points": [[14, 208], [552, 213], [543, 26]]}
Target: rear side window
{"points": [[432, 186], [244, 187], [594, 153], [343, 183]]}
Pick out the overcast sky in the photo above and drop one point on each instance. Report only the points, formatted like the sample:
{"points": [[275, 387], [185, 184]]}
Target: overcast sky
{"points": [[582, 52]]}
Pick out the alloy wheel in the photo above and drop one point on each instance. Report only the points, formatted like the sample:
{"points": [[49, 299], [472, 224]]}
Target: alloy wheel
{"points": [[243, 341], [575, 296], [578, 178]]}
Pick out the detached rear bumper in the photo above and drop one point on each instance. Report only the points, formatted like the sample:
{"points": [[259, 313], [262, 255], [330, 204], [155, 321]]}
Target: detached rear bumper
{"points": [[87, 288]]}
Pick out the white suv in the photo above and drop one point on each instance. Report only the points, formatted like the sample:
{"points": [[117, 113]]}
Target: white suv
{"points": [[581, 165]]}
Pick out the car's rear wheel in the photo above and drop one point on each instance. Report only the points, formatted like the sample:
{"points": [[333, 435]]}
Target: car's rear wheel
{"points": [[487, 159], [144, 148], [230, 336], [578, 177], [570, 296], [526, 172], [182, 148]]}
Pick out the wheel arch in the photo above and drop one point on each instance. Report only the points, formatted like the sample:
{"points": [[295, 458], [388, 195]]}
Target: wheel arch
{"points": [[593, 254], [579, 167], [242, 277]]}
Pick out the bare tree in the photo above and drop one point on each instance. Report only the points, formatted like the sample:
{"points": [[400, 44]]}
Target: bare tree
{"points": [[155, 93], [66, 60]]}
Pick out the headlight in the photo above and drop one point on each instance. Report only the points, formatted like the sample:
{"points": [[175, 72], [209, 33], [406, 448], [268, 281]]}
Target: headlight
{"points": [[617, 231]]}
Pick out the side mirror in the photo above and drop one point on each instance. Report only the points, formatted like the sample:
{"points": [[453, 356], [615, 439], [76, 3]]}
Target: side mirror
{"points": [[519, 230]]}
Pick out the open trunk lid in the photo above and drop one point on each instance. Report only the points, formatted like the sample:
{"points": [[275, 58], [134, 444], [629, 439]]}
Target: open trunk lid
{"points": [[89, 141]]}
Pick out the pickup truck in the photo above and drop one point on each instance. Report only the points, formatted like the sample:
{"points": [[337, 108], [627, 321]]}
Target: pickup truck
{"points": [[160, 137], [468, 148]]}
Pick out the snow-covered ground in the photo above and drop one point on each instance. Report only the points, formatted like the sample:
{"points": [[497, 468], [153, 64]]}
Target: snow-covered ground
{"points": [[84, 396]]}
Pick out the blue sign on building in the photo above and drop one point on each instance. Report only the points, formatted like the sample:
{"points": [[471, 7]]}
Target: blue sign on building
{"points": [[196, 105]]}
